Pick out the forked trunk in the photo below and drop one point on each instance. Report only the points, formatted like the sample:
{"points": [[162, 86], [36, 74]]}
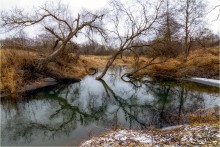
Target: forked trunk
{"points": [[53, 56]]}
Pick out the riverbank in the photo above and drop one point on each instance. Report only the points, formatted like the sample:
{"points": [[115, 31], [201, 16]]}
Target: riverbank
{"points": [[15, 73], [202, 130], [17, 77], [69, 113], [202, 135]]}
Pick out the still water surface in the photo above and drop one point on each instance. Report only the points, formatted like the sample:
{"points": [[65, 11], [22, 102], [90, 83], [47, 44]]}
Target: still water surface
{"points": [[68, 114]]}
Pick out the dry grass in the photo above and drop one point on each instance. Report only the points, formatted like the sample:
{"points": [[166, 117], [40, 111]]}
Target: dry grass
{"points": [[204, 116], [12, 62], [202, 63], [167, 69], [14, 76]]}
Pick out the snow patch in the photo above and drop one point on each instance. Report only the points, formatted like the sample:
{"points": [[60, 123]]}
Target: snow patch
{"points": [[186, 135], [208, 80], [218, 135], [144, 139], [211, 82], [136, 136]]}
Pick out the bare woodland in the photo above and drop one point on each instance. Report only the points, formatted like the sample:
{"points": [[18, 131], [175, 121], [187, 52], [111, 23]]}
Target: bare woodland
{"points": [[139, 28]]}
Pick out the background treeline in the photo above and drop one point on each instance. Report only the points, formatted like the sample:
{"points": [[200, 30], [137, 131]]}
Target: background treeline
{"points": [[158, 47], [161, 28]]}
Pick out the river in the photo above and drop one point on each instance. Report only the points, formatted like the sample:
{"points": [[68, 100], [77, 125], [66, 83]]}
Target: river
{"points": [[67, 114]]}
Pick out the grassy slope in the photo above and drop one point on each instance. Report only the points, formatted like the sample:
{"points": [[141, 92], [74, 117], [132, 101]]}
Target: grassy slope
{"points": [[201, 63]]}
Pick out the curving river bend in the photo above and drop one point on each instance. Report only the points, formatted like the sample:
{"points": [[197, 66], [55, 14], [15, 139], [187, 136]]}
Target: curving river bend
{"points": [[68, 114]]}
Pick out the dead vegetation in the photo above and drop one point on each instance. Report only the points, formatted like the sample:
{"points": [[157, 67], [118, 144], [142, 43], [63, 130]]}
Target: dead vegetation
{"points": [[200, 63], [15, 72], [204, 116], [12, 62]]}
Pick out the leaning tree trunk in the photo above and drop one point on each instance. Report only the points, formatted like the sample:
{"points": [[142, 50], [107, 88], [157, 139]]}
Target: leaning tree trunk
{"points": [[40, 66], [109, 63], [53, 56]]}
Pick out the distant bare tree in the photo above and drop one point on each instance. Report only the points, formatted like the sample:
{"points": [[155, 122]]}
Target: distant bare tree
{"points": [[193, 12], [206, 38], [129, 24], [168, 32]]}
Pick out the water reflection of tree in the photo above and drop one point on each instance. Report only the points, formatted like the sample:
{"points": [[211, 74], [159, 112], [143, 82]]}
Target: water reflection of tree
{"points": [[169, 106], [174, 103], [125, 105], [70, 115]]}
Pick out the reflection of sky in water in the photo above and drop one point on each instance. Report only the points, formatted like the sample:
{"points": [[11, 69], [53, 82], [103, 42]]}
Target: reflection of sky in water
{"points": [[211, 100], [66, 115], [90, 88]]}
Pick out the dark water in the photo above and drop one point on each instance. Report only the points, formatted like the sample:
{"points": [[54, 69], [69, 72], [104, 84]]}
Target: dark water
{"points": [[69, 114]]}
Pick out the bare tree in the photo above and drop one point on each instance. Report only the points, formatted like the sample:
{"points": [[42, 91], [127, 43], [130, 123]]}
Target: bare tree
{"points": [[193, 12], [168, 32], [129, 24], [57, 19], [206, 38]]}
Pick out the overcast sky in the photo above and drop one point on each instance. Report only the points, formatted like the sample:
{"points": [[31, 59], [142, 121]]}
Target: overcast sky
{"points": [[93, 5], [76, 4]]}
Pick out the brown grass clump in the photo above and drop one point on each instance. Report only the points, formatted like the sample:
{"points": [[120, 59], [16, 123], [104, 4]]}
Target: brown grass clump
{"points": [[91, 61], [165, 70], [15, 73], [12, 62], [204, 63], [169, 69], [205, 116], [69, 66]]}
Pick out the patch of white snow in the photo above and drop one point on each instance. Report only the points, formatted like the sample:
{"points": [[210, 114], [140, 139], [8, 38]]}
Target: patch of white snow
{"points": [[211, 82]]}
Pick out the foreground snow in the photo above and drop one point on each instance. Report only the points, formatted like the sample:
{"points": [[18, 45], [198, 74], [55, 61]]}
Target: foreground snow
{"points": [[178, 136], [211, 82]]}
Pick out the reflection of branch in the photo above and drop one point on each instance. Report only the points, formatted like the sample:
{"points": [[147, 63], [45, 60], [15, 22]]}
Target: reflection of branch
{"points": [[123, 103], [72, 115], [131, 81], [65, 105], [55, 114]]}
